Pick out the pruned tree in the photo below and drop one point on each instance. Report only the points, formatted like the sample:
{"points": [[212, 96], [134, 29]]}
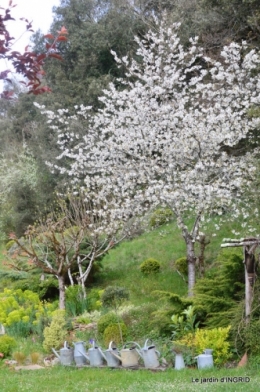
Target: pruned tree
{"points": [[69, 240], [167, 138]]}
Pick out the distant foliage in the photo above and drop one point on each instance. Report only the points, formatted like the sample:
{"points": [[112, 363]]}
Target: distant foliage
{"points": [[160, 216], [7, 343], [150, 266], [116, 332]]}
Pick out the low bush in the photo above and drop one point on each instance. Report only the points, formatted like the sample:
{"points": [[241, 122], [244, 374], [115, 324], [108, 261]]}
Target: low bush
{"points": [[106, 320], [7, 344], [150, 266], [116, 332]]}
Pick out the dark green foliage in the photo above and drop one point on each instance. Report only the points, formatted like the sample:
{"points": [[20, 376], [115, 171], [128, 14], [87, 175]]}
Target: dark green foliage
{"points": [[7, 343], [217, 294], [106, 320], [170, 303], [150, 266], [116, 332], [47, 289], [113, 296], [160, 217]]}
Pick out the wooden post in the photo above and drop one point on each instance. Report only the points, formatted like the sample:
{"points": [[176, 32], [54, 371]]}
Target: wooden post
{"points": [[249, 246]]}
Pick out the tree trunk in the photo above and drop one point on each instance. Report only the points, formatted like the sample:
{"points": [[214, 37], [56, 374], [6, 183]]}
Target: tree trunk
{"points": [[61, 292], [191, 260]]}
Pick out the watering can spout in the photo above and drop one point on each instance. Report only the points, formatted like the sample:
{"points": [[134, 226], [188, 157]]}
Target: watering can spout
{"points": [[84, 355], [55, 352]]}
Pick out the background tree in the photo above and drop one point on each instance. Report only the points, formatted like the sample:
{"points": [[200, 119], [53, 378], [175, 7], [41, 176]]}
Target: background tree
{"points": [[163, 139]]}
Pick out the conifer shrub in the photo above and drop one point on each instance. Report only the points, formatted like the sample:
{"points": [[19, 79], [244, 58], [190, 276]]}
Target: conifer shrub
{"points": [[55, 334], [7, 344], [116, 332], [150, 266], [217, 294]]}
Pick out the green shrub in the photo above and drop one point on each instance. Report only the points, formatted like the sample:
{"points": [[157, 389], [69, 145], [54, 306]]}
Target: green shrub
{"points": [[55, 334], [160, 216], [106, 320], [116, 332], [181, 265], [7, 343], [150, 266]]}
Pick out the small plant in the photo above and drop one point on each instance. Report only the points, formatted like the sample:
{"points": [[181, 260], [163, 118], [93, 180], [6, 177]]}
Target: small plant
{"points": [[35, 357], [150, 266], [116, 332], [55, 334], [7, 343], [184, 323], [19, 357]]}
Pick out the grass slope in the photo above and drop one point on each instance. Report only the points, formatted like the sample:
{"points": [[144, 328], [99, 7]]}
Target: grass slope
{"points": [[122, 264]]}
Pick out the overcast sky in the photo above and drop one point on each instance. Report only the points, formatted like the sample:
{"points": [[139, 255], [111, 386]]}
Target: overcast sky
{"points": [[37, 11]]}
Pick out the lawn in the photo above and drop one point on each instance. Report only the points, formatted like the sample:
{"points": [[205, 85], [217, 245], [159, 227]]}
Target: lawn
{"points": [[60, 379]]}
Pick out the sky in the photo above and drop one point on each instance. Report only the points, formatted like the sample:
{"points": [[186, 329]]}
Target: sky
{"points": [[37, 11]]}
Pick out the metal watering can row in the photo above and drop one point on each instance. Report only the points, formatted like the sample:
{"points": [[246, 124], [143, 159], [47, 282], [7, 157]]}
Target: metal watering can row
{"points": [[112, 357]]}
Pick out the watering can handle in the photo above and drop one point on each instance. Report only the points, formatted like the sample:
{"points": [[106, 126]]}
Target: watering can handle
{"points": [[147, 340], [158, 353], [136, 345], [110, 345]]}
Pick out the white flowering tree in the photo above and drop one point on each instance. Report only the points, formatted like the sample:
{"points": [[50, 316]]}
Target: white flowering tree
{"points": [[164, 138]]}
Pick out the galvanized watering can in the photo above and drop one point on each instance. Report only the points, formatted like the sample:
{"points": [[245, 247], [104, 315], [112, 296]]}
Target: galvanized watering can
{"points": [[65, 356], [205, 360], [112, 355], [128, 356], [149, 355], [95, 355]]}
